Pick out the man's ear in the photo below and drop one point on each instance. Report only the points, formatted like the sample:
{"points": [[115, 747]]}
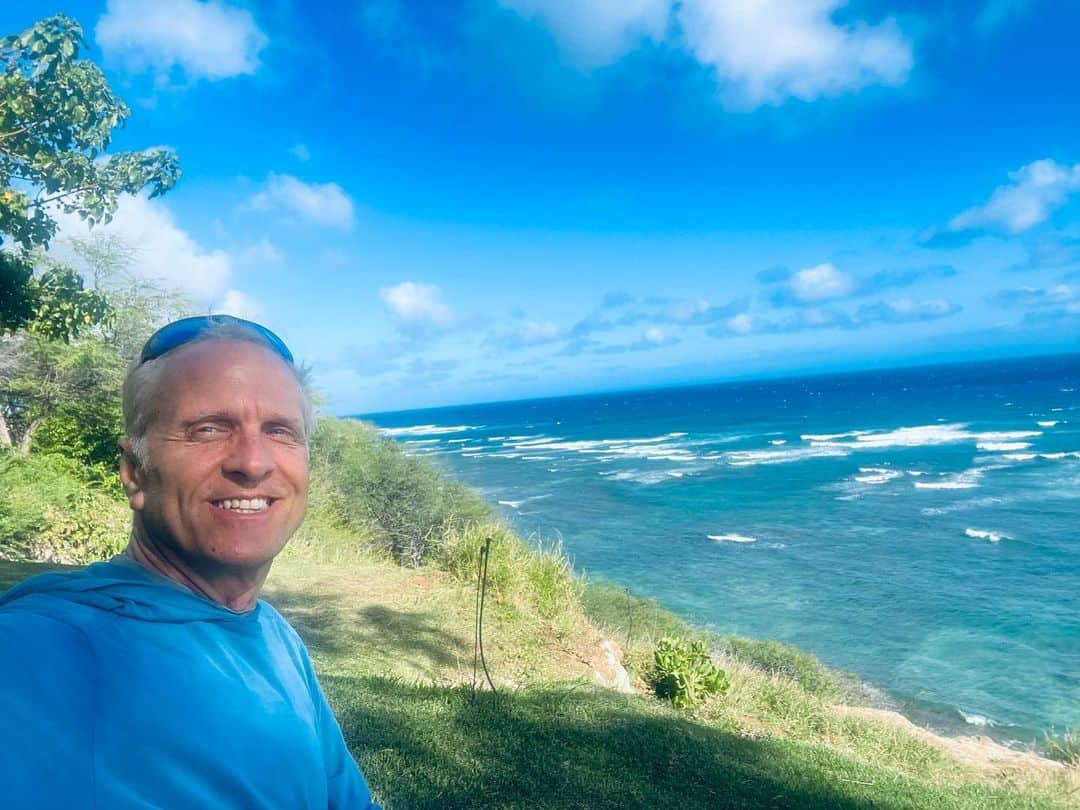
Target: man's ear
{"points": [[131, 475]]}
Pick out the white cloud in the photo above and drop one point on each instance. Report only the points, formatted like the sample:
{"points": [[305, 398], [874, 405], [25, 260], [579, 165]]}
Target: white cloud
{"points": [[654, 335], [235, 302], [206, 40], [600, 32], [761, 52], [317, 203], [766, 51], [262, 252], [741, 324], [164, 251], [821, 282], [417, 306], [1036, 191]]}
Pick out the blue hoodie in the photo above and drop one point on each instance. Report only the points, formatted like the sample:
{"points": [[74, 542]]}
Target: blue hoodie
{"points": [[120, 689]]}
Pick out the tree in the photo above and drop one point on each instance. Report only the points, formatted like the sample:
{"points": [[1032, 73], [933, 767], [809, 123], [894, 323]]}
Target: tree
{"points": [[57, 116]]}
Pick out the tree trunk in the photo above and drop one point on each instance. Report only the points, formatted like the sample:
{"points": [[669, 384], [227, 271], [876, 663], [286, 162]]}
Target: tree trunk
{"points": [[24, 442], [5, 434]]}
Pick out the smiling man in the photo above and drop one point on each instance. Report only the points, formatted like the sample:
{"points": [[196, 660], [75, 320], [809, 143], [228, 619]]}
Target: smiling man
{"points": [[158, 678]]}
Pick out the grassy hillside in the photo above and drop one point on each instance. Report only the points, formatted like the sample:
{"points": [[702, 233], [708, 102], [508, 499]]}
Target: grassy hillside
{"points": [[380, 582]]}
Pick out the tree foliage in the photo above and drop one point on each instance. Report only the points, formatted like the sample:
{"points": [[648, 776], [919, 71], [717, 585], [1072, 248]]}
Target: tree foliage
{"points": [[57, 116]]}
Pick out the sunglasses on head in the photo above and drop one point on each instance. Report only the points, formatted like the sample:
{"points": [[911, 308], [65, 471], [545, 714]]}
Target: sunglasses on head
{"points": [[185, 330]]}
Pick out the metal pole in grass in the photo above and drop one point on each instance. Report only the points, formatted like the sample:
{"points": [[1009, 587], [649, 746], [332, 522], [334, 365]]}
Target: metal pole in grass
{"points": [[478, 634]]}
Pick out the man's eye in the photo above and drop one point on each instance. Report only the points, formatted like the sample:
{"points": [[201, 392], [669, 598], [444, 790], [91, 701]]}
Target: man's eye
{"points": [[208, 430], [282, 433]]}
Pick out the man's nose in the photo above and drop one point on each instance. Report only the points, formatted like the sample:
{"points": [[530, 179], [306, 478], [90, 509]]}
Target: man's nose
{"points": [[250, 457]]}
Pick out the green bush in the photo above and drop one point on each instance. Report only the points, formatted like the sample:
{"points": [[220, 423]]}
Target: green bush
{"points": [[47, 512], [684, 672], [85, 431], [1064, 747], [404, 503]]}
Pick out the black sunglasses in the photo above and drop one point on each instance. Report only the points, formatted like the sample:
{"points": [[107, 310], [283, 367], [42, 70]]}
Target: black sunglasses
{"points": [[184, 330]]}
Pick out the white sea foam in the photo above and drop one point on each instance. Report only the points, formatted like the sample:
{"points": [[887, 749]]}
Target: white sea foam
{"points": [[982, 534], [457, 441], [647, 478], [831, 437], [1047, 424], [1020, 456], [976, 719], [877, 475], [1001, 447], [731, 538], [427, 430], [750, 458], [778, 441], [969, 479], [413, 442], [518, 503]]}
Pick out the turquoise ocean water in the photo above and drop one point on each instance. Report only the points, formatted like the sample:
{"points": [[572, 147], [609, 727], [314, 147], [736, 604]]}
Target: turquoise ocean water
{"points": [[918, 527]]}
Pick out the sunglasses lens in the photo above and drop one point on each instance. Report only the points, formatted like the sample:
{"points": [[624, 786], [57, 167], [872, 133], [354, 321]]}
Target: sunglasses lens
{"points": [[180, 332]]}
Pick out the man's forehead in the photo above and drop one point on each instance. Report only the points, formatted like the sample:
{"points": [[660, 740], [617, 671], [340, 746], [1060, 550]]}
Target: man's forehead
{"points": [[228, 374]]}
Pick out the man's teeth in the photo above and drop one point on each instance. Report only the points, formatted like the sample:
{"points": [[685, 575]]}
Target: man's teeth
{"points": [[244, 504]]}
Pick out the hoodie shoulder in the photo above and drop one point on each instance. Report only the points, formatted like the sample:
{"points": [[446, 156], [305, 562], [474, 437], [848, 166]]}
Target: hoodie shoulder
{"points": [[49, 683]]}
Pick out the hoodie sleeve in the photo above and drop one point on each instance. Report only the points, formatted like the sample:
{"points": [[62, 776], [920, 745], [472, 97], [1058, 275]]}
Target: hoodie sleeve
{"points": [[47, 691]]}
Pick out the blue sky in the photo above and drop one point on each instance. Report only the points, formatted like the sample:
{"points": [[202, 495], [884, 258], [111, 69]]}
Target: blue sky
{"points": [[472, 200]]}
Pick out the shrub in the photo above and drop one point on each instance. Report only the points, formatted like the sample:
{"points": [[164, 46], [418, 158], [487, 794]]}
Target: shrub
{"points": [[1064, 747], [684, 672], [85, 431], [403, 503], [48, 513]]}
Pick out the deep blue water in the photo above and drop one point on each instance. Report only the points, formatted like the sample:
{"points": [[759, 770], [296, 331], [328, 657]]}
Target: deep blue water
{"points": [[919, 527]]}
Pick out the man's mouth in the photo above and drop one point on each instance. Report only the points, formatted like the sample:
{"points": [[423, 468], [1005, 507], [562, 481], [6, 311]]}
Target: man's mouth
{"points": [[244, 506]]}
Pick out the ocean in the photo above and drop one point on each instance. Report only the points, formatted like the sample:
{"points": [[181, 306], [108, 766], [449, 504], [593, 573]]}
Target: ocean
{"points": [[918, 527]]}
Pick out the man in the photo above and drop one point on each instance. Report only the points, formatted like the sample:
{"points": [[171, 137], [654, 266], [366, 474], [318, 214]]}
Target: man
{"points": [[158, 679]]}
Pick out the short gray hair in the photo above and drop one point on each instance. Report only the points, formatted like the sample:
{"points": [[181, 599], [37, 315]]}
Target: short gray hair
{"points": [[143, 379]]}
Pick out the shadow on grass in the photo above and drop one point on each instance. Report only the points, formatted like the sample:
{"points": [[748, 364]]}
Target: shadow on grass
{"points": [[330, 626], [426, 746], [12, 572]]}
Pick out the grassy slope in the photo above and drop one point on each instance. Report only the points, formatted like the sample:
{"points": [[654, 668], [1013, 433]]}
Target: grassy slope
{"points": [[393, 647]]}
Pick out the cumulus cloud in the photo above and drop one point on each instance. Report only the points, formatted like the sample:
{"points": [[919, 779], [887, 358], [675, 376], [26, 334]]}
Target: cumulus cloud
{"points": [[597, 33], [324, 204], [760, 53], [824, 282], [205, 40], [418, 307], [821, 282], [1034, 192], [767, 51], [239, 304], [164, 251]]}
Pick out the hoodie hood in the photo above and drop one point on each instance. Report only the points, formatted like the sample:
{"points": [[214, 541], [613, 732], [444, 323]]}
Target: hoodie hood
{"points": [[123, 587]]}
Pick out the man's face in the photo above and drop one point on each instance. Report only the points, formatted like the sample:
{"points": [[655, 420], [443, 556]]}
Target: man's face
{"points": [[225, 483]]}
